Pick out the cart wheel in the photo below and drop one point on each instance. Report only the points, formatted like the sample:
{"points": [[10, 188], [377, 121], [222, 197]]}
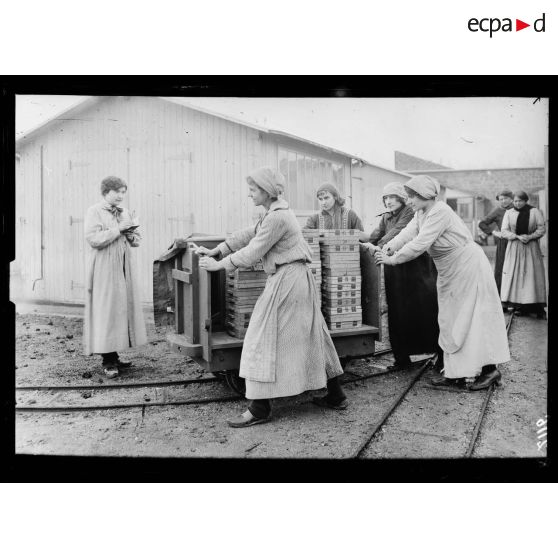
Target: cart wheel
{"points": [[235, 382]]}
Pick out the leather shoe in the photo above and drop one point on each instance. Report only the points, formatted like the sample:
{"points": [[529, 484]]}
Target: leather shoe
{"points": [[323, 402], [122, 364], [486, 380], [251, 420], [397, 366], [443, 381], [111, 371]]}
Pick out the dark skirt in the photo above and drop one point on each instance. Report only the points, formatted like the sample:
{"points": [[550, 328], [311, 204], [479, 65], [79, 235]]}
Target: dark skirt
{"points": [[501, 244], [412, 307]]}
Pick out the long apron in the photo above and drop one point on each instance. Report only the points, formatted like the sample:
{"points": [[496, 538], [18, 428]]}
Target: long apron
{"points": [[472, 326], [287, 348], [113, 317], [523, 278]]}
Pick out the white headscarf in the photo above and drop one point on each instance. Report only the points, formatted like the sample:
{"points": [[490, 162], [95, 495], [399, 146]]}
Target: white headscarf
{"points": [[268, 179], [395, 189], [424, 185]]}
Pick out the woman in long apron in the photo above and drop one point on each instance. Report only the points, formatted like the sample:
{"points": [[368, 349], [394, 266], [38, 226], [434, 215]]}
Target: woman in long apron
{"points": [[412, 321], [287, 348], [523, 278], [113, 315], [333, 213], [472, 327], [495, 217]]}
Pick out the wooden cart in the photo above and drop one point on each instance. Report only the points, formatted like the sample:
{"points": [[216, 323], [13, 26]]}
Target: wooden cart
{"points": [[200, 316]]}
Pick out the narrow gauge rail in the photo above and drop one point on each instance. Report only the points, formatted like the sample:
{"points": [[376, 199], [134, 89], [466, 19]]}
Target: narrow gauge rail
{"points": [[358, 454], [485, 403], [139, 385], [415, 376], [136, 384]]}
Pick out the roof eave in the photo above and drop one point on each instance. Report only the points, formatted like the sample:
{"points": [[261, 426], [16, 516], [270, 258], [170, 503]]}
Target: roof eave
{"points": [[37, 130]]}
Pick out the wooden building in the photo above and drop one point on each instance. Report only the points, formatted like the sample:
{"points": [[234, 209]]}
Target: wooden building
{"points": [[185, 168]]}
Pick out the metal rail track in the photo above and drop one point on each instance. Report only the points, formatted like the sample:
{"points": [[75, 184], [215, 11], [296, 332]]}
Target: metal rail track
{"points": [[75, 387], [487, 397], [376, 428], [357, 378], [131, 385], [138, 405], [372, 433]]}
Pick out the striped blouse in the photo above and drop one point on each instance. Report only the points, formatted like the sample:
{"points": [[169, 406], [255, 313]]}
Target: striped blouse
{"points": [[276, 240]]}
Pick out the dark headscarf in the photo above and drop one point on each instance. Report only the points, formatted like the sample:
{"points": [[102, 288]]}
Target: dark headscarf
{"points": [[522, 225], [329, 187]]}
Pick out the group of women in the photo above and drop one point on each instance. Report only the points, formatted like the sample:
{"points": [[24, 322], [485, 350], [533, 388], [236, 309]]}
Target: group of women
{"points": [[441, 294], [519, 267]]}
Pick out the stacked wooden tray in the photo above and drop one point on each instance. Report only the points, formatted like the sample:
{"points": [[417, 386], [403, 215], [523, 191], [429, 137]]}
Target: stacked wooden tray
{"points": [[312, 237], [244, 287], [341, 278]]}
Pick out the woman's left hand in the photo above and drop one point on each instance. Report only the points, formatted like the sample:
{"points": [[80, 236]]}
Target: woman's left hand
{"points": [[523, 238], [209, 264], [383, 258], [370, 247]]}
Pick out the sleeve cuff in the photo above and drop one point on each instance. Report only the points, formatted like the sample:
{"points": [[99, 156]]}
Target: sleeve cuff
{"points": [[224, 248], [228, 264]]}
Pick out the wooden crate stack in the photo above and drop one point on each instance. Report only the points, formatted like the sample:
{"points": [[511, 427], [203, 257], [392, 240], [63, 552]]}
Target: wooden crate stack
{"points": [[312, 237], [244, 287], [341, 278]]}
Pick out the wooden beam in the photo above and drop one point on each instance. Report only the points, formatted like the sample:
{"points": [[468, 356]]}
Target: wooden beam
{"points": [[180, 275]]}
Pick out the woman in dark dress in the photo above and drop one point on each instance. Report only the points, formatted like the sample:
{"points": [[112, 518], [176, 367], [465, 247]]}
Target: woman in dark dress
{"points": [[523, 276], [412, 320]]}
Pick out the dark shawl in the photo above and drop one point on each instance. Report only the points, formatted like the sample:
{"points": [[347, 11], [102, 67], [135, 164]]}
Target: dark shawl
{"points": [[522, 225]]}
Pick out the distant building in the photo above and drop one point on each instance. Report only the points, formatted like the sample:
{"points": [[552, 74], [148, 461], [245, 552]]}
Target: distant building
{"points": [[472, 192], [185, 168]]}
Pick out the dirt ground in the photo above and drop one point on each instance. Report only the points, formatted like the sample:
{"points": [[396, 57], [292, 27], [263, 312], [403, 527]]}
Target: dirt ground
{"points": [[427, 423]]}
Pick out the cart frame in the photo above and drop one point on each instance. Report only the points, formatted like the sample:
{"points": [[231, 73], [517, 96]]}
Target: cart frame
{"points": [[200, 313]]}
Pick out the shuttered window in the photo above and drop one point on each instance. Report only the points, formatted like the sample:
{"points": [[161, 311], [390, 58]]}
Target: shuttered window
{"points": [[304, 173]]}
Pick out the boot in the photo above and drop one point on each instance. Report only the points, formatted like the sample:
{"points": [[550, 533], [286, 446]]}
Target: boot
{"points": [[484, 381]]}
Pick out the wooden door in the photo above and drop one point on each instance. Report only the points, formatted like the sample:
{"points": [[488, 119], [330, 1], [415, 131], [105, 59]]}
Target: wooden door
{"points": [[83, 177]]}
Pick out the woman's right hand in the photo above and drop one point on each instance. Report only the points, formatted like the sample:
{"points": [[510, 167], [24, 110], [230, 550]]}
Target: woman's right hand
{"points": [[203, 251]]}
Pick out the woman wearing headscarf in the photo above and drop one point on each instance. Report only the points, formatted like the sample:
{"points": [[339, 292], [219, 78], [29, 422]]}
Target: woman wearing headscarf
{"points": [[113, 318], [287, 348], [495, 217], [333, 214], [523, 279], [472, 327], [412, 321]]}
